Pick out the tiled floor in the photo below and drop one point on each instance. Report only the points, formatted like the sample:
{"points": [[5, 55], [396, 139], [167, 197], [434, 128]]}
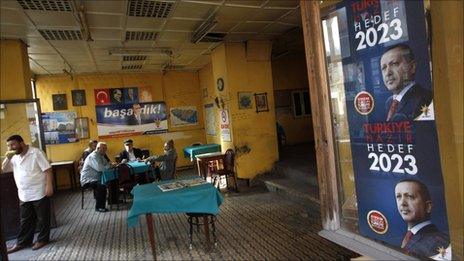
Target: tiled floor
{"points": [[252, 225]]}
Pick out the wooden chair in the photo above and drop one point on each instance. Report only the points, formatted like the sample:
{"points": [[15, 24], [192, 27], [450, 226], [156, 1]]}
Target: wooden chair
{"points": [[174, 170], [197, 219], [83, 189], [126, 179], [228, 170], [78, 167]]}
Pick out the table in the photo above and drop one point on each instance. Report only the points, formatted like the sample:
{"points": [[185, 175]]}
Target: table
{"points": [[112, 174], [149, 198], [192, 151], [203, 159], [64, 165]]}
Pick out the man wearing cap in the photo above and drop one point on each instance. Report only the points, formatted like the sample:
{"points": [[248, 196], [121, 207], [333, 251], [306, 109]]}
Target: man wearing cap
{"points": [[130, 154], [167, 162]]}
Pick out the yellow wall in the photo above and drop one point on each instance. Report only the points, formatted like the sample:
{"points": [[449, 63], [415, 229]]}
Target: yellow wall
{"points": [[447, 61], [207, 82], [289, 73], [15, 74], [244, 72], [15, 83], [175, 88]]}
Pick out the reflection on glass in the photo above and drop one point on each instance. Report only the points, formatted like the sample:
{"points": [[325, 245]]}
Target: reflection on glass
{"points": [[332, 41], [20, 118]]}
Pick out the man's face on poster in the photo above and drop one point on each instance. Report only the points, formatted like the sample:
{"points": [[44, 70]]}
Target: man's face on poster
{"points": [[117, 95], [137, 109], [411, 204], [397, 71], [130, 93]]}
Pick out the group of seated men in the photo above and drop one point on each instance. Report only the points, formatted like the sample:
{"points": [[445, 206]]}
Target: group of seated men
{"points": [[94, 161]]}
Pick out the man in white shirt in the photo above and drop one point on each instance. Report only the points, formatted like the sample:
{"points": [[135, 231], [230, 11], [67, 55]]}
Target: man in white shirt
{"points": [[33, 176], [91, 172]]}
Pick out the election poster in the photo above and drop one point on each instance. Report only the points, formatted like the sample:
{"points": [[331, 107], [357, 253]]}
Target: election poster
{"points": [[127, 119], [59, 127], [389, 99]]}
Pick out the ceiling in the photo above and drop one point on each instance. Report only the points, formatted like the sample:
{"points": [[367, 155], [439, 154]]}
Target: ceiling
{"points": [[138, 35]]}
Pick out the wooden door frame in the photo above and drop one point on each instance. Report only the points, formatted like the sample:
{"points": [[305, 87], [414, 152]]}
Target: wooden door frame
{"points": [[321, 114]]}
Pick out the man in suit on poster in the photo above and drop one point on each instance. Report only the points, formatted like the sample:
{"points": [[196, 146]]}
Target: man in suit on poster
{"points": [[136, 117], [423, 239], [409, 99]]}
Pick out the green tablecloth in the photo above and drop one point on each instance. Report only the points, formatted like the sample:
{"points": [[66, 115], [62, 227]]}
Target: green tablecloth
{"points": [[149, 198], [192, 151], [112, 174]]}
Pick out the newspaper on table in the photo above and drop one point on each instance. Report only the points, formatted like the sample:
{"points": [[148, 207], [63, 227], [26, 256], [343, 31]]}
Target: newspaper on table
{"points": [[181, 184]]}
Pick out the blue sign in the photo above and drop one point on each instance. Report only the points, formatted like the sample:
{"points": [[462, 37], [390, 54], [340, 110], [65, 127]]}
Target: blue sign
{"points": [[118, 120], [389, 100], [59, 127]]}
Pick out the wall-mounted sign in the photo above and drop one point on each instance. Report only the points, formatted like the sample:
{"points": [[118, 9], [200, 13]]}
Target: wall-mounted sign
{"points": [[396, 160], [184, 115], [210, 119], [120, 120], [225, 125], [59, 127]]}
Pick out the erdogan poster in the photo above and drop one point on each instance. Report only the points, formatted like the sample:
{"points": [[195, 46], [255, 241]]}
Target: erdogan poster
{"points": [[127, 119], [383, 49]]}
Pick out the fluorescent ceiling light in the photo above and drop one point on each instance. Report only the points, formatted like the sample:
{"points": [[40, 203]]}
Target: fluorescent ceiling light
{"points": [[203, 29], [140, 51]]}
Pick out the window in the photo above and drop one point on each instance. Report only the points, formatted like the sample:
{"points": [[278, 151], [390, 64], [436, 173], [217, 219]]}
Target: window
{"points": [[301, 104]]}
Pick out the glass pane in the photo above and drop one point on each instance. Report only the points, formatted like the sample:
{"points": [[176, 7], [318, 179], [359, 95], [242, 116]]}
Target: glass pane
{"points": [[349, 217], [306, 103], [21, 119], [297, 104]]}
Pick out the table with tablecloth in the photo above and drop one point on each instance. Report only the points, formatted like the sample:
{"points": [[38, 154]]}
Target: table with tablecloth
{"points": [[149, 198], [138, 168], [192, 151]]}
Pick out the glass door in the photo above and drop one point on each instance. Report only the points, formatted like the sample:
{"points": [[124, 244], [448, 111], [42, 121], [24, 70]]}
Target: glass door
{"points": [[332, 43], [21, 117]]}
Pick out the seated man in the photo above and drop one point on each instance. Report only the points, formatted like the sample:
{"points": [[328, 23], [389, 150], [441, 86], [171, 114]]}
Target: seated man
{"points": [[92, 146], [130, 153], [167, 166], [91, 172]]}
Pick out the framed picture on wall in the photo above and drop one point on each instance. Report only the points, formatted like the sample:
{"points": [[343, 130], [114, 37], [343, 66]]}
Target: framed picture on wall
{"points": [[261, 102], [244, 100], [82, 127], [78, 97], [59, 102]]}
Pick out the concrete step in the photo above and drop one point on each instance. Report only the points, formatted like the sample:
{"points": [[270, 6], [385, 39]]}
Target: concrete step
{"points": [[298, 173], [299, 192]]}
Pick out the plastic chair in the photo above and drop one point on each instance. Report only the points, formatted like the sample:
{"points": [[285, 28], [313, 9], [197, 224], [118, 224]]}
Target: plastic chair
{"points": [[227, 171]]}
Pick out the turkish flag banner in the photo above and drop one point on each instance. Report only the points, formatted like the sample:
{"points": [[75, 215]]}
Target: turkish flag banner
{"points": [[102, 96]]}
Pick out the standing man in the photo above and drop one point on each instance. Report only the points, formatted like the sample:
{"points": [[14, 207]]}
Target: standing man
{"points": [[414, 204], [409, 99], [34, 179], [91, 172], [167, 167]]}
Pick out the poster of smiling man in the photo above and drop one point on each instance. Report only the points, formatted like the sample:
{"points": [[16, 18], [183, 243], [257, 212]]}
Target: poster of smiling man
{"points": [[389, 100]]}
